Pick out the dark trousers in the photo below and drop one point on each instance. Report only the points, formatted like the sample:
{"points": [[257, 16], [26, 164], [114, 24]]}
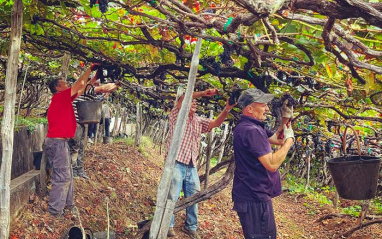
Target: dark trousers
{"points": [[257, 219], [91, 130], [107, 127]]}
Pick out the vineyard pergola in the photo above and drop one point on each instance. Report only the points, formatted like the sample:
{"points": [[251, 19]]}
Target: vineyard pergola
{"points": [[326, 54]]}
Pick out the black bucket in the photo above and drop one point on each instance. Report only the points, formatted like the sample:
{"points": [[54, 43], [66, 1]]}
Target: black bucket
{"points": [[355, 177], [76, 233], [89, 112]]}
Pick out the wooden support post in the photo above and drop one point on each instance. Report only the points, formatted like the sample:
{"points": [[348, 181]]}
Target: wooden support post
{"points": [[209, 152], [85, 142], [163, 136], [161, 217], [43, 178], [221, 150], [138, 129]]}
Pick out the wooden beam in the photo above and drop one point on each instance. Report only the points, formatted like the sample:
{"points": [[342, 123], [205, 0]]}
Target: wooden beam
{"points": [[161, 220]]}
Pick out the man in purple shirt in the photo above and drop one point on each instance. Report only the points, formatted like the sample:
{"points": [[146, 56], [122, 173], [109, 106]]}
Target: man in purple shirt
{"points": [[257, 179]]}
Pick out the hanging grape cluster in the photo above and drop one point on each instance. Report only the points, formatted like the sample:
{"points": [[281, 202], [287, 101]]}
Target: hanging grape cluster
{"points": [[225, 57], [211, 62], [293, 79], [102, 4], [112, 72]]}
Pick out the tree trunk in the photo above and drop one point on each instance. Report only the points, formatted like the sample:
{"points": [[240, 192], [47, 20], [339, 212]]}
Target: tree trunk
{"points": [[8, 124], [158, 227], [308, 172], [65, 66]]}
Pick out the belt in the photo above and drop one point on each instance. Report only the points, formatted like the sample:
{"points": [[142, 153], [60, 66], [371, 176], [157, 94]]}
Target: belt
{"points": [[61, 138]]}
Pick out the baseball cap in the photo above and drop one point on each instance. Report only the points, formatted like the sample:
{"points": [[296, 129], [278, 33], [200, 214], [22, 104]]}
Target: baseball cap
{"points": [[252, 95]]}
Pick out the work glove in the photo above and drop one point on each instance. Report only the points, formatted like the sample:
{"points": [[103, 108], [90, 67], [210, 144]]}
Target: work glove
{"points": [[288, 132], [287, 111]]}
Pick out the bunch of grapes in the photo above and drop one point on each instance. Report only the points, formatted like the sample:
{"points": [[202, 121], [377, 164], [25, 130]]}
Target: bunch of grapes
{"points": [[280, 75], [103, 5], [92, 2], [289, 97], [112, 71], [225, 57], [268, 80]]}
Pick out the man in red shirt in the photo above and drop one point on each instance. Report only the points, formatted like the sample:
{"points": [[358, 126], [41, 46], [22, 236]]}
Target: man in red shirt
{"points": [[61, 127], [185, 175]]}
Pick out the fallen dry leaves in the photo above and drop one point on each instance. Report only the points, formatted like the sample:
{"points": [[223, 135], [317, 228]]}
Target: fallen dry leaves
{"points": [[128, 181]]}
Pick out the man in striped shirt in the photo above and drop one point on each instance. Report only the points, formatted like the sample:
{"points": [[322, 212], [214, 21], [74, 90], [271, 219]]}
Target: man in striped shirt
{"points": [[77, 143], [185, 175]]}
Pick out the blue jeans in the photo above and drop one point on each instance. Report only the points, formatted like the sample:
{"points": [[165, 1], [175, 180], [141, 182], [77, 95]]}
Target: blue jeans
{"points": [[185, 177]]}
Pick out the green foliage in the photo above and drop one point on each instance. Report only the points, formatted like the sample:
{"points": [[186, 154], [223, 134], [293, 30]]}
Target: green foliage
{"points": [[320, 198], [376, 206], [146, 143], [352, 210], [29, 122]]}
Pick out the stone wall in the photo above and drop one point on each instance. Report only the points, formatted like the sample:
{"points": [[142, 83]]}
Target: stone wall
{"points": [[25, 143]]}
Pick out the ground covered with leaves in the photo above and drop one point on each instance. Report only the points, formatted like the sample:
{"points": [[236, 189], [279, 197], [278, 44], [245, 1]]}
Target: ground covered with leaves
{"points": [[123, 183]]}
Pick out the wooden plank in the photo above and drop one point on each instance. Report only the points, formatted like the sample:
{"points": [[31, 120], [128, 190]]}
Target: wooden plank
{"points": [[160, 217]]}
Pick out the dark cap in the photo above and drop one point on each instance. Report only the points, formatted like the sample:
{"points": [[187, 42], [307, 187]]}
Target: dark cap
{"points": [[252, 95]]}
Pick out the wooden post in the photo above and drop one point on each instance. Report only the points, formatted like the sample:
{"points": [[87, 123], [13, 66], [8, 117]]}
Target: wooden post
{"points": [[85, 140], [102, 134], [8, 124], [163, 136], [209, 152], [43, 174], [161, 220], [117, 113], [221, 150], [138, 128]]}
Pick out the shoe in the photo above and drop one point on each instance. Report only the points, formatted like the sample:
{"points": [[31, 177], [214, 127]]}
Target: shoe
{"points": [[57, 215], [191, 234], [171, 232], [90, 141], [83, 175]]}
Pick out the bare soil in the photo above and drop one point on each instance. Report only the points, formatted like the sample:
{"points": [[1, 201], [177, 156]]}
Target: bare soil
{"points": [[125, 181]]}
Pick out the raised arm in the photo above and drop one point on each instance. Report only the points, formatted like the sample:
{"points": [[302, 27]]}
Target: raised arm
{"points": [[221, 117], [78, 87]]}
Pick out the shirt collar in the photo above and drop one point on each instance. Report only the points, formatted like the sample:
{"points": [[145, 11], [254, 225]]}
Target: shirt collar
{"points": [[252, 120]]}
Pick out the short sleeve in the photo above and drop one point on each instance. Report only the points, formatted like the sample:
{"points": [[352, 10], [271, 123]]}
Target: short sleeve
{"points": [[205, 123], [258, 143]]}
